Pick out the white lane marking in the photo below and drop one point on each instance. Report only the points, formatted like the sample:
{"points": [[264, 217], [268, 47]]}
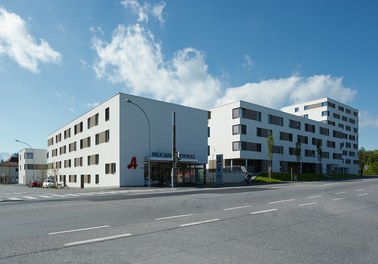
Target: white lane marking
{"points": [[198, 223], [337, 199], [282, 201], [72, 194], [339, 193], [326, 184], [305, 204], [97, 240], [238, 207], [360, 190], [30, 197], [362, 194], [314, 196], [78, 230], [15, 199], [263, 211], [174, 216], [44, 196]]}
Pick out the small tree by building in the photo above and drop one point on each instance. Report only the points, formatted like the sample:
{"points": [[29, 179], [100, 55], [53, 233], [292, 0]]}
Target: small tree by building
{"points": [[319, 154], [270, 154], [362, 158], [298, 154]]}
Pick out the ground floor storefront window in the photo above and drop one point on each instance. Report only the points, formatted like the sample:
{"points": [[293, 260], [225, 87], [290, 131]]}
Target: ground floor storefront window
{"points": [[187, 174]]}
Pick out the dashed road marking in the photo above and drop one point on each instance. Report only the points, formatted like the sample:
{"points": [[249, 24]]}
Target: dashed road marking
{"points": [[101, 239], [199, 223], [238, 207], [306, 204], [363, 194], [263, 211], [78, 230], [172, 217], [314, 196], [282, 201]]}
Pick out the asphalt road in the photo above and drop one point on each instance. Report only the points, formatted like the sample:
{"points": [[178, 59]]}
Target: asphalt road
{"points": [[314, 222]]}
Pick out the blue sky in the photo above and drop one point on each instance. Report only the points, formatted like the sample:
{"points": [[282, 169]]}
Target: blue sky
{"points": [[60, 58]]}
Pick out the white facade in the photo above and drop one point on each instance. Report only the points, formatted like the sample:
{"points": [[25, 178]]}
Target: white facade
{"points": [[341, 117], [108, 145], [239, 131], [32, 165]]}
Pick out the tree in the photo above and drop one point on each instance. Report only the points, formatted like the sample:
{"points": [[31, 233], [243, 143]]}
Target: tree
{"points": [[298, 154], [319, 154], [270, 153], [362, 158]]}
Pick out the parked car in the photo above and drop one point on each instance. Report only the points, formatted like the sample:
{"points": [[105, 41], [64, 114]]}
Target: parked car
{"points": [[48, 183], [35, 184]]}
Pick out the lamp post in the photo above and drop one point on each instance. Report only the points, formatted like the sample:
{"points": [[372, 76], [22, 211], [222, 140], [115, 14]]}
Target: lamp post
{"points": [[19, 141], [149, 139]]}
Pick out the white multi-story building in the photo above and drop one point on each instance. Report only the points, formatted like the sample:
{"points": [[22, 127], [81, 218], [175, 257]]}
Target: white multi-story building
{"points": [[32, 165], [109, 145], [239, 132], [344, 121]]}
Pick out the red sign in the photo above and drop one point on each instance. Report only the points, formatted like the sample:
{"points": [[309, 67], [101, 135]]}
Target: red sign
{"points": [[133, 163]]}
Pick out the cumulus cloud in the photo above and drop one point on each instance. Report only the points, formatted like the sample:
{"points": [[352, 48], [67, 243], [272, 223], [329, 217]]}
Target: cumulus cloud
{"points": [[133, 58], [276, 93], [17, 43], [144, 10]]}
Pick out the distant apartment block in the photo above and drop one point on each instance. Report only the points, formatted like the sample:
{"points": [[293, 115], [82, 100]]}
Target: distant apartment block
{"points": [[239, 131]]}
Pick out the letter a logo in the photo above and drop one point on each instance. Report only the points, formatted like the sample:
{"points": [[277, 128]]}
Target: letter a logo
{"points": [[133, 163]]}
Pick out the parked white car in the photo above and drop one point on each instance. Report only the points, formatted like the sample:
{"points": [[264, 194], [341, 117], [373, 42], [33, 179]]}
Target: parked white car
{"points": [[48, 183]]}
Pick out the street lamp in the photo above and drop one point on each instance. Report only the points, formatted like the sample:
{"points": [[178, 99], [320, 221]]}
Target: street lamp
{"points": [[19, 141], [149, 139]]}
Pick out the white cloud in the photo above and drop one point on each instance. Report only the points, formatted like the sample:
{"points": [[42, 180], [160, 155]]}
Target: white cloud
{"points": [[366, 119], [134, 58], [276, 93], [144, 10], [17, 43], [92, 105]]}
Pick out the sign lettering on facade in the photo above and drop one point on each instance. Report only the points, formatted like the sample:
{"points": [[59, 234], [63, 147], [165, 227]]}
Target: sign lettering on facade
{"points": [[219, 169]]}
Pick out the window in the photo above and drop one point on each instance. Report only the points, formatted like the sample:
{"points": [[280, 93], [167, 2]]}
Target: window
{"points": [[324, 103], [344, 118], [50, 142], [86, 178], [261, 132], [316, 140], [62, 150], [277, 149], [78, 162], [58, 138], [341, 126], [93, 159], [305, 116], [296, 109], [348, 111], [341, 108], [309, 153], [348, 128], [236, 113], [248, 146], [72, 147], [67, 163], [275, 120], [102, 137], [85, 143], [310, 128], [28, 155], [338, 134], [92, 121], [239, 129], [97, 179], [306, 107], [352, 121], [331, 123], [67, 133], [325, 113], [337, 156], [294, 124], [302, 139], [286, 136], [331, 144], [337, 116], [110, 168], [355, 113], [246, 113], [107, 114], [72, 178], [78, 128]]}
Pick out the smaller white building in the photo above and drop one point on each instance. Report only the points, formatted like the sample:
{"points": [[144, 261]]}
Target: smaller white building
{"points": [[9, 171], [32, 165]]}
